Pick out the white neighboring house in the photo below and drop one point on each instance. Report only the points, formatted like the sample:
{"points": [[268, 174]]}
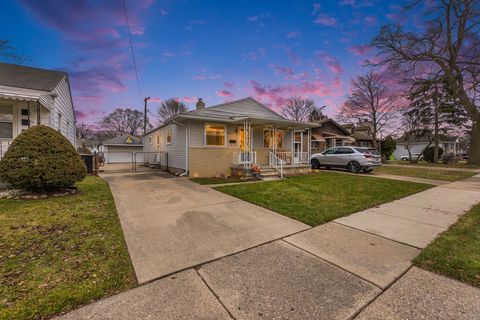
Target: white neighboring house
{"points": [[123, 149], [31, 96], [449, 144]]}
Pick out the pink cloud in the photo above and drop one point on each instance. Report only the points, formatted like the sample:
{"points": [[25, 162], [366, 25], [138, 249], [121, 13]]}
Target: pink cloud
{"points": [[255, 55], [228, 84], [156, 99], [276, 96], [189, 99], [168, 54], [360, 50], [199, 77], [292, 35], [287, 71], [332, 63], [370, 20], [224, 93], [326, 20], [355, 3]]}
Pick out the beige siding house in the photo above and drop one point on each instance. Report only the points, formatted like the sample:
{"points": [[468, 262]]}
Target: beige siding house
{"points": [[228, 139], [31, 96]]}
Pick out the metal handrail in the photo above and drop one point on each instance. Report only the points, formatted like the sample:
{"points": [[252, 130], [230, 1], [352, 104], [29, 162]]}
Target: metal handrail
{"points": [[276, 163], [245, 157]]}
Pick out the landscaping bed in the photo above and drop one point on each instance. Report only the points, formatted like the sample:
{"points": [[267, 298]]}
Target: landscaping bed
{"points": [[59, 253], [205, 181], [433, 174], [319, 198], [456, 252]]}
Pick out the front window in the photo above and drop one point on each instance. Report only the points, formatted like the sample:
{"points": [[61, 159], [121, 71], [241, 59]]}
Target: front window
{"points": [[215, 134], [6, 122], [269, 139], [169, 136]]}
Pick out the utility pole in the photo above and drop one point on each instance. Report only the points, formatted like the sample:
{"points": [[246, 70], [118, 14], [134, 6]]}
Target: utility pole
{"points": [[145, 116]]}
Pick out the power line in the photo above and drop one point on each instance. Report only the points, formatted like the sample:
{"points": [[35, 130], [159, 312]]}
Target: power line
{"points": [[131, 48]]}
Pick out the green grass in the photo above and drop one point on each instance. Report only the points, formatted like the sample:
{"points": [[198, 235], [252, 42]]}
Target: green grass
{"points": [[59, 253], [218, 180], [319, 198], [434, 174], [461, 165], [456, 252]]}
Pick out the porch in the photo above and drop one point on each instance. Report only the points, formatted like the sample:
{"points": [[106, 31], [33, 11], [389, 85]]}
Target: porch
{"points": [[18, 113], [233, 148]]}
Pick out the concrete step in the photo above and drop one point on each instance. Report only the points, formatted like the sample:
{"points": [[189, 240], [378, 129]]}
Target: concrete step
{"points": [[269, 174]]}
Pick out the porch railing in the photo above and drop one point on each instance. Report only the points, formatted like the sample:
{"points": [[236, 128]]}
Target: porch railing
{"points": [[301, 157], [245, 157], [298, 157], [4, 145], [276, 162]]}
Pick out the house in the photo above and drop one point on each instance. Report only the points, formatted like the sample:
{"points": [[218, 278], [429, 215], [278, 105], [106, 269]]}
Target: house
{"points": [[449, 144], [31, 96], [228, 138], [362, 133], [123, 149], [328, 134]]}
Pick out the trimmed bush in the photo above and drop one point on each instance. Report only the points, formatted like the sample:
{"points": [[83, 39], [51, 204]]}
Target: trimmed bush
{"points": [[41, 158], [428, 154]]}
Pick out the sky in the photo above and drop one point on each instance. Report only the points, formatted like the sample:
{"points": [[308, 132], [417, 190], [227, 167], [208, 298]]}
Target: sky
{"points": [[217, 50]]}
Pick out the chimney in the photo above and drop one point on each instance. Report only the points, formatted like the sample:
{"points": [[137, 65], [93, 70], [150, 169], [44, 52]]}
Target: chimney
{"points": [[200, 104]]}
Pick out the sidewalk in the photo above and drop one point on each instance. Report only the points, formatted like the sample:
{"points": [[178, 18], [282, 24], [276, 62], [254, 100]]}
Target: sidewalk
{"points": [[430, 167], [356, 267]]}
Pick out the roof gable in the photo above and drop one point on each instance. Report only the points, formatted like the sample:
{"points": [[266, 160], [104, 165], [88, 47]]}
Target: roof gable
{"points": [[18, 76], [335, 124], [247, 106], [124, 139]]}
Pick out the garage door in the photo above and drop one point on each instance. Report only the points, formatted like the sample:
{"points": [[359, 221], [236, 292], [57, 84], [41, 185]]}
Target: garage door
{"points": [[118, 157]]}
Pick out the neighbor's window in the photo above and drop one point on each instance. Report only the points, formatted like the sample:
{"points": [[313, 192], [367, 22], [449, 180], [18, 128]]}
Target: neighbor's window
{"points": [[158, 139], [169, 135], [269, 138], [215, 134], [6, 122]]}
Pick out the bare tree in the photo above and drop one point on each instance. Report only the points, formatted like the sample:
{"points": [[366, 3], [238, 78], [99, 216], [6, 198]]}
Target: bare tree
{"points": [[123, 121], [316, 114], [298, 108], [450, 45], [8, 53], [370, 100], [170, 108]]}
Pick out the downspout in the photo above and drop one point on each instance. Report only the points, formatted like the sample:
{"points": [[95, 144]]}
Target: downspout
{"points": [[187, 144]]}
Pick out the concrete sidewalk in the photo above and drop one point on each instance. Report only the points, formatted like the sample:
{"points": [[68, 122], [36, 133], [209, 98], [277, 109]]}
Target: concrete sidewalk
{"points": [[430, 167], [357, 267]]}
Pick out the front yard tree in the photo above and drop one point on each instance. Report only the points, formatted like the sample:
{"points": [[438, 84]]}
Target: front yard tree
{"points": [[449, 45], [170, 108], [388, 147], [122, 121], [298, 108], [432, 104], [370, 100]]}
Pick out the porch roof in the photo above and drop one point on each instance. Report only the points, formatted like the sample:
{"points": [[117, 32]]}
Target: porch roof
{"points": [[11, 93]]}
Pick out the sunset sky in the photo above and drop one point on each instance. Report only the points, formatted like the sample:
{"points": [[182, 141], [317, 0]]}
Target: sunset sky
{"points": [[218, 50]]}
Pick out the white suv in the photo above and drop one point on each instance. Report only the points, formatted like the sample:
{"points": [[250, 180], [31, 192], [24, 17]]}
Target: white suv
{"points": [[355, 159]]}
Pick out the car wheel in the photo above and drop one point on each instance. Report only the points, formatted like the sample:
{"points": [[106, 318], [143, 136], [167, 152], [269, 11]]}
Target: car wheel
{"points": [[367, 170], [315, 164], [354, 167]]}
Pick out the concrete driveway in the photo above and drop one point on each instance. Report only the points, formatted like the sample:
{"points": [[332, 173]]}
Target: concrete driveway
{"points": [[171, 224]]}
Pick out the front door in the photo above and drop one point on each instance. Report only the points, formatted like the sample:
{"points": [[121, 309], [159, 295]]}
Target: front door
{"points": [[244, 145]]}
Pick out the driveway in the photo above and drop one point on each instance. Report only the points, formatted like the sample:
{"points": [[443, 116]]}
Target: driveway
{"points": [[171, 224]]}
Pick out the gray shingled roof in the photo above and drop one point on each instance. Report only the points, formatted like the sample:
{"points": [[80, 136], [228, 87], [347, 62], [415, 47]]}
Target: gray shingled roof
{"points": [[122, 140], [29, 78]]}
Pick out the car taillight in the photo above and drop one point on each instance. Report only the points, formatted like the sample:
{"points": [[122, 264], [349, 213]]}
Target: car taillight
{"points": [[368, 156]]}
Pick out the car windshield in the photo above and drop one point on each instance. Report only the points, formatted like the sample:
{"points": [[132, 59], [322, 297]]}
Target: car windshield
{"points": [[367, 151]]}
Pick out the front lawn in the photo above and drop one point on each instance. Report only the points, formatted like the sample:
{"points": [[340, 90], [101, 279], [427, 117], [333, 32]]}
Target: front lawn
{"points": [[456, 252], [435, 174], [59, 253], [461, 164], [319, 198]]}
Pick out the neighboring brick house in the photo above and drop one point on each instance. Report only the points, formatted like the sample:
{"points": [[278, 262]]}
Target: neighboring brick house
{"points": [[329, 134], [362, 133]]}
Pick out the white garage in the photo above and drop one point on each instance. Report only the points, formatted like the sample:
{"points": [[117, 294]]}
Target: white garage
{"points": [[123, 149]]}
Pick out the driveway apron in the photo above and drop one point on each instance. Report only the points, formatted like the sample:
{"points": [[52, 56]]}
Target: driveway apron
{"points": [[171, 224]]}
